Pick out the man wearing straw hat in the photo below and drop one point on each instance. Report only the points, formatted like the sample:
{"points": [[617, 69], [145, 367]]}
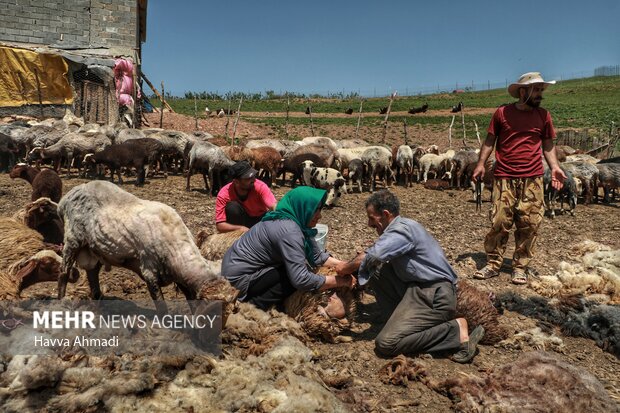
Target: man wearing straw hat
{"points": [[518, 132]]}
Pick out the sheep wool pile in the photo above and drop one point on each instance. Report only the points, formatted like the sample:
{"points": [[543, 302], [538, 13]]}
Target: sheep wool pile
{"points": [[597, 271]]}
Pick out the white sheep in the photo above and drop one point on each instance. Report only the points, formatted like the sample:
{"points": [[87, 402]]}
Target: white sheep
{"points": [[146, 237], [211, 160], [431, 162], [378, 159], [404, 162]]}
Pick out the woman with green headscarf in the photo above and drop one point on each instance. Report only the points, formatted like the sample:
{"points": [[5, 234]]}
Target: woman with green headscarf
{"points": [[270, 261]]}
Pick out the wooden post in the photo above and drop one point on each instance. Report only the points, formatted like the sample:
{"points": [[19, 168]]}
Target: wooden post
{"points": [[463, 122], [288, 106], [36, 74], [236, 120], [359, 118], [161, 115], [387, 115], [405, 128], [148, 82], [227, 119], [311, 121], [195, 112], [450, 132], [611, 131], [477, 135]]}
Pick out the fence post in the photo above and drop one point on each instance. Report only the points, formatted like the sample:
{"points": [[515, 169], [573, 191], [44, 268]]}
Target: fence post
{"points": [[359, 118], [36, 74], [161, 115]]}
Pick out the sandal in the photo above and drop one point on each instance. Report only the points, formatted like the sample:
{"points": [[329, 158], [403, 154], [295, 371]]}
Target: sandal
{"points": [[519, 276], [485, 273]]}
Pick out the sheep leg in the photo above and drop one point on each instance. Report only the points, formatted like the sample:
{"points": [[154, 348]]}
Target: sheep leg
{"points": [[189, 175], [141, 176], [69, 255], [93, 281], [120, 178]]}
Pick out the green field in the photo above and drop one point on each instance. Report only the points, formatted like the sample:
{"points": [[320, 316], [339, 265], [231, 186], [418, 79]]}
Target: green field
{"points": [[580, 103]]}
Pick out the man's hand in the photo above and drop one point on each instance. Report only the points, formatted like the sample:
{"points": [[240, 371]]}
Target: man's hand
{"points": [[243, 228], [479, 171], [557, 178], [348, 267]]}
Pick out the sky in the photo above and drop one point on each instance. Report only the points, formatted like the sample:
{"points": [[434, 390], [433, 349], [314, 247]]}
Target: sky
{"points": [[373, 47]]}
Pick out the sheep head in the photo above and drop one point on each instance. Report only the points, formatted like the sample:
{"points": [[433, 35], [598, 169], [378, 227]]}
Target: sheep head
{"points": [[218, 289], [19, 170], [34, 154], [44, 266], [89, 158], [40, 211]]}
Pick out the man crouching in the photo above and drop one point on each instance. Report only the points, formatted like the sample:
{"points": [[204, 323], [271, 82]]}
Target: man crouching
{"points": [[414, 286]]}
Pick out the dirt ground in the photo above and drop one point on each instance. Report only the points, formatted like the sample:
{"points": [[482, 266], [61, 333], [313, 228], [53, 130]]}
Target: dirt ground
{"points": [[450, 216]]}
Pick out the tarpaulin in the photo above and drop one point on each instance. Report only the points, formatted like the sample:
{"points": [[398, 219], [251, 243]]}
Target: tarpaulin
{"points": [[19, 69]]}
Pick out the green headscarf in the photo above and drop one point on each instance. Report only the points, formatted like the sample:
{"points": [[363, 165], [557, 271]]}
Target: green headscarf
{"points": [[299, 205]]}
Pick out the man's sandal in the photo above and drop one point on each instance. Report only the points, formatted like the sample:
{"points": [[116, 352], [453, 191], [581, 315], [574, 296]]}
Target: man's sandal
{"points": [[519, 276], [485, 273]]}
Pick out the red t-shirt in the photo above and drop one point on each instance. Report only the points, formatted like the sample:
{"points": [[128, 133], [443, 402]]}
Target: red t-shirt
{"points": [[519, 135], [259, 200]]}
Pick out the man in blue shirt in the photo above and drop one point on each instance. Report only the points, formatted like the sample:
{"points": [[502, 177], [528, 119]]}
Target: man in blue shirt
{"points": [[414, 285]]}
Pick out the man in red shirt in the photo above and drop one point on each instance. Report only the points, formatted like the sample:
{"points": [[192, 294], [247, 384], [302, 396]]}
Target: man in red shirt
{"points": [[243, 202], [518, 132]]}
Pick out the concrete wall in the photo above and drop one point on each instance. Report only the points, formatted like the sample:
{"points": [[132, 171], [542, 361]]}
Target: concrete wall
{"points": [[83, 23]]}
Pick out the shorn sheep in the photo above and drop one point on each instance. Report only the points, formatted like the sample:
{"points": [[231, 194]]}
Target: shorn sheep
{"points": [[146, 237]]}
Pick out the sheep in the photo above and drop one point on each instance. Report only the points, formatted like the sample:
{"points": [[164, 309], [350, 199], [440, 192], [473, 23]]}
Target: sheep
{"points": [[25, 259], [350, 143], [44, 182], [238, 153], [432, 149], [329, 179], [356, 173], [176, 144], [324, 142], [608, 178], [568, 192], [268, 161], [348, 154], [587, 173], [129, 134], [349, 111], [536, 381], [378, 159], [212, 161], [214, 246], [42, 216], [421, 109], [478, 308], [404, 162], [323, 157], [294, 164], [70, 146], [431, 162], [285, 147], [457, 108], [146, 237], [418, 152], [124, 155], [154, 150], [383, 110], [582, 157], [8, 151], [462, 162]]}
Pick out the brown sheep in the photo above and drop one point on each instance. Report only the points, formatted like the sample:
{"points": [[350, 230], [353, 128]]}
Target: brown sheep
{"points": [[25, 259], [476, 307], [42, 216], [268, 161], [237, 153], [45, 182]]}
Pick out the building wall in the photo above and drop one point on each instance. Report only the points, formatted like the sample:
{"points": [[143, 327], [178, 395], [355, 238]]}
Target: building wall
{"points": [[82, 23]]}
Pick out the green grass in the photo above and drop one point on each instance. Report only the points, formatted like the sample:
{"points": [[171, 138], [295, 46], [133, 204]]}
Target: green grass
{"points": [[580, 103]]}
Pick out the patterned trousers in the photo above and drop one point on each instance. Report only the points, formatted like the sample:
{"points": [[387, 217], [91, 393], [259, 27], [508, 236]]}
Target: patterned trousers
{"points": [[517, 201]]}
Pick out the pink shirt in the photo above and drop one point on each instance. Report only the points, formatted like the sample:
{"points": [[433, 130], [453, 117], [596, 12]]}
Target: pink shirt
{"points": [[519, 135], [259, 200]]}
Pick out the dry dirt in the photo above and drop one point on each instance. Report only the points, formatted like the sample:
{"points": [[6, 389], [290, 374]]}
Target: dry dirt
{"points": [[449, 215]]}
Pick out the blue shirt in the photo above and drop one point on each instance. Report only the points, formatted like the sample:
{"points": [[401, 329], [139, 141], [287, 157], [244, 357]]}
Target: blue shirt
{"points": [[414, 254]]}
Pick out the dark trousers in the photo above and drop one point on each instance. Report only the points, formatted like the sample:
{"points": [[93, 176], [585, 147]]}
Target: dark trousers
{"points": [[272, 288], [422, 317], [236, 215]]}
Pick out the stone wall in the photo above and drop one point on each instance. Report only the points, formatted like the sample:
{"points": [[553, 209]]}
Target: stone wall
{"points": [[80, 23]]}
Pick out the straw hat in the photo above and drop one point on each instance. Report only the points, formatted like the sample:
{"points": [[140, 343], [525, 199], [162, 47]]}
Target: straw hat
{"points": [[526, 80]]}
